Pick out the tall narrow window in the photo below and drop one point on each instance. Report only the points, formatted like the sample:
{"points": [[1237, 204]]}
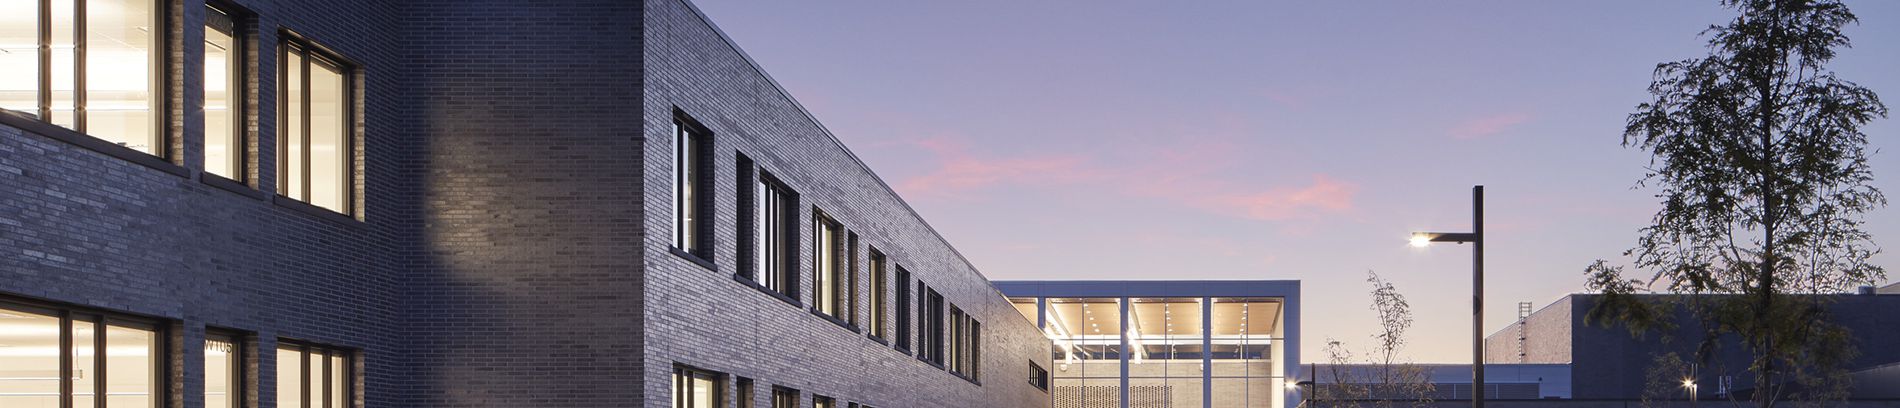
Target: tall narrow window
{"points": [[820, 401], [224, 370], [784, 397], [902, 286], [694, 388], [87, 65], [224, 94], [109, 356], [692, 187], [827, 265], [745, 393], [850, 281], [316, 154], [773, 235], [312, 376], [875, 272], [933, 320]]}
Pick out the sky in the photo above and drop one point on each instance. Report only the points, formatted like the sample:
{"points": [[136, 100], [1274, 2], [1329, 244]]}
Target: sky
{"points": [[1208, 139]]}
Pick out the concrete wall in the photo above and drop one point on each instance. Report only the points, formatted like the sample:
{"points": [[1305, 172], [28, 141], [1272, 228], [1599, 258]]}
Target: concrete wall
{"points": [[1541, 338], [700, 316]]}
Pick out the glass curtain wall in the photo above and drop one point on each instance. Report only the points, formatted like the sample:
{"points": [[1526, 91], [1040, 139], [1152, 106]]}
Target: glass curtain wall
{"points": [[1181, 352]]}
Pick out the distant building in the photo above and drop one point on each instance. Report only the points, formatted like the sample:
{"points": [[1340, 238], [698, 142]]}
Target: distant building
{"points": [[1447, 381], [1608, 363], [1167, 344]]}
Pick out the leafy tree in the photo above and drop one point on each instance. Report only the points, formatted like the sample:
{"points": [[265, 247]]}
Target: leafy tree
{"points": [[1760, 157]]}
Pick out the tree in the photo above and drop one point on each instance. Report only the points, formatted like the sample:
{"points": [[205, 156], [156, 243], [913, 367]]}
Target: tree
{"points": [[1388, 378], [1761, 161]]}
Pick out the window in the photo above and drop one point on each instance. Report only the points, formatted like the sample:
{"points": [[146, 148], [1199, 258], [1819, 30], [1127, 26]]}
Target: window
{"points": [[114, 356], [820, 401], [965, 333], [878, 287], [316, 156], [224, 370], [772, 237], [784, 397], [224, 94], [692, 187], [1038, 376], [312, 376], [693, 388], [87, 65], [850, 281], [930, 345], [827, 265], [745, 392], [903, 308]]}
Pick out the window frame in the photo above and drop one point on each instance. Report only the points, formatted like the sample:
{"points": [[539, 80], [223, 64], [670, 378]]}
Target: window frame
{"points": [[683, 374], [239, 90], [820, 401], [744, 392], [325, 353], [1038, 376], [160, 330], [827, 265], [756, 238], [903, 301], [784, 397], [877, 270], [158, 76], [241, 362], [312, 53], [692, 149]]}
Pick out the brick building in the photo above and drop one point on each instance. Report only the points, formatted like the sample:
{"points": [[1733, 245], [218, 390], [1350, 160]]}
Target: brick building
{"points": [[456, 203]]}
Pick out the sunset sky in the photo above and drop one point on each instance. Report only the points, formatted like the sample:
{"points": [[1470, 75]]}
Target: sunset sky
{"points": [[1268, 140]]}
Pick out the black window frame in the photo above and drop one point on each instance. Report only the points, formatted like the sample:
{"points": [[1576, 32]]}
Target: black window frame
{"points": [[682, 374], [699, 150], [933, 321], [753, 180], [877, 272], [324, 352], [784, 397], [835, 271], [820, 401], [904, 324], [312, 52], [1038, 376], [240, 88], [160, 329], [158, 75], [744, 392], [241, 362]]}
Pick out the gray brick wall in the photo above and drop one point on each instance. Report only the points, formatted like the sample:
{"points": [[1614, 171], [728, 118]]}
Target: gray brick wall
{"points": [[701, 317], [514, 160]]}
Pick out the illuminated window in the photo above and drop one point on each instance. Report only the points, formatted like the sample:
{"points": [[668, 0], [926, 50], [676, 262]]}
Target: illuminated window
{"points": [[112, 356], [694, 388], [820, 401], [224, 370], [828, 265], [692, 187], [316, 154], [784, 397], [224, 95], [311, 376], [771, 235], [964, 336], [745, 392], [92, 69], [879, 306]]}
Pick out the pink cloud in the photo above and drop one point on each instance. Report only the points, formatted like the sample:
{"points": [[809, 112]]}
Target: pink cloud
{"points": [[1323, 195], [1488, 125], [961, 171]]}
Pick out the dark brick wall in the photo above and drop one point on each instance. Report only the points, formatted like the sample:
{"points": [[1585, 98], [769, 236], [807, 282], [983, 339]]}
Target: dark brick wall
{"points": [[702, 317], [526, 291], [82, 227]]}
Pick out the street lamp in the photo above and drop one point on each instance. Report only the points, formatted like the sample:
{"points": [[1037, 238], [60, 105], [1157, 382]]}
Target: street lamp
{"points": [[1689, 385], [1476, 238]]}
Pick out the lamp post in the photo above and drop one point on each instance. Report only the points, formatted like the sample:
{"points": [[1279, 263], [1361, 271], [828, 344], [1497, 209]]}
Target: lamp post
{"points": [[1689, 385], [1476, 238]]}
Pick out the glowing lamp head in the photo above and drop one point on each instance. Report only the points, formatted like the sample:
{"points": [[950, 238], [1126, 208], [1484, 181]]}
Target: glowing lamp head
{"points": [[1688, 383], [1420, 239]]}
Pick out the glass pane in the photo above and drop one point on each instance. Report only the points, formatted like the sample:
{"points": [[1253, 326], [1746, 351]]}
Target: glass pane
{"points": [[704, 392], [291, 168], [20, 57], [65, 103], [130, 367], [29, 371], [825, 266], [329, 147], [222, 147], [119, 72], [339, 380], [315, 397], [289, 378], [220, 372], [85, 362]]}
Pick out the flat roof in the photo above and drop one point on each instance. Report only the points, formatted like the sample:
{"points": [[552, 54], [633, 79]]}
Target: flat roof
{"points": [[1150, 288]]}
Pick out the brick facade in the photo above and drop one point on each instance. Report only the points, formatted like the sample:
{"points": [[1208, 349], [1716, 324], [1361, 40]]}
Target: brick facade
{"points": [[511, 244]]}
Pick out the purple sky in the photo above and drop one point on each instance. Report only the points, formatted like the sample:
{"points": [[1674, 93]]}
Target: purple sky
{"points": [[1268, 140]]}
